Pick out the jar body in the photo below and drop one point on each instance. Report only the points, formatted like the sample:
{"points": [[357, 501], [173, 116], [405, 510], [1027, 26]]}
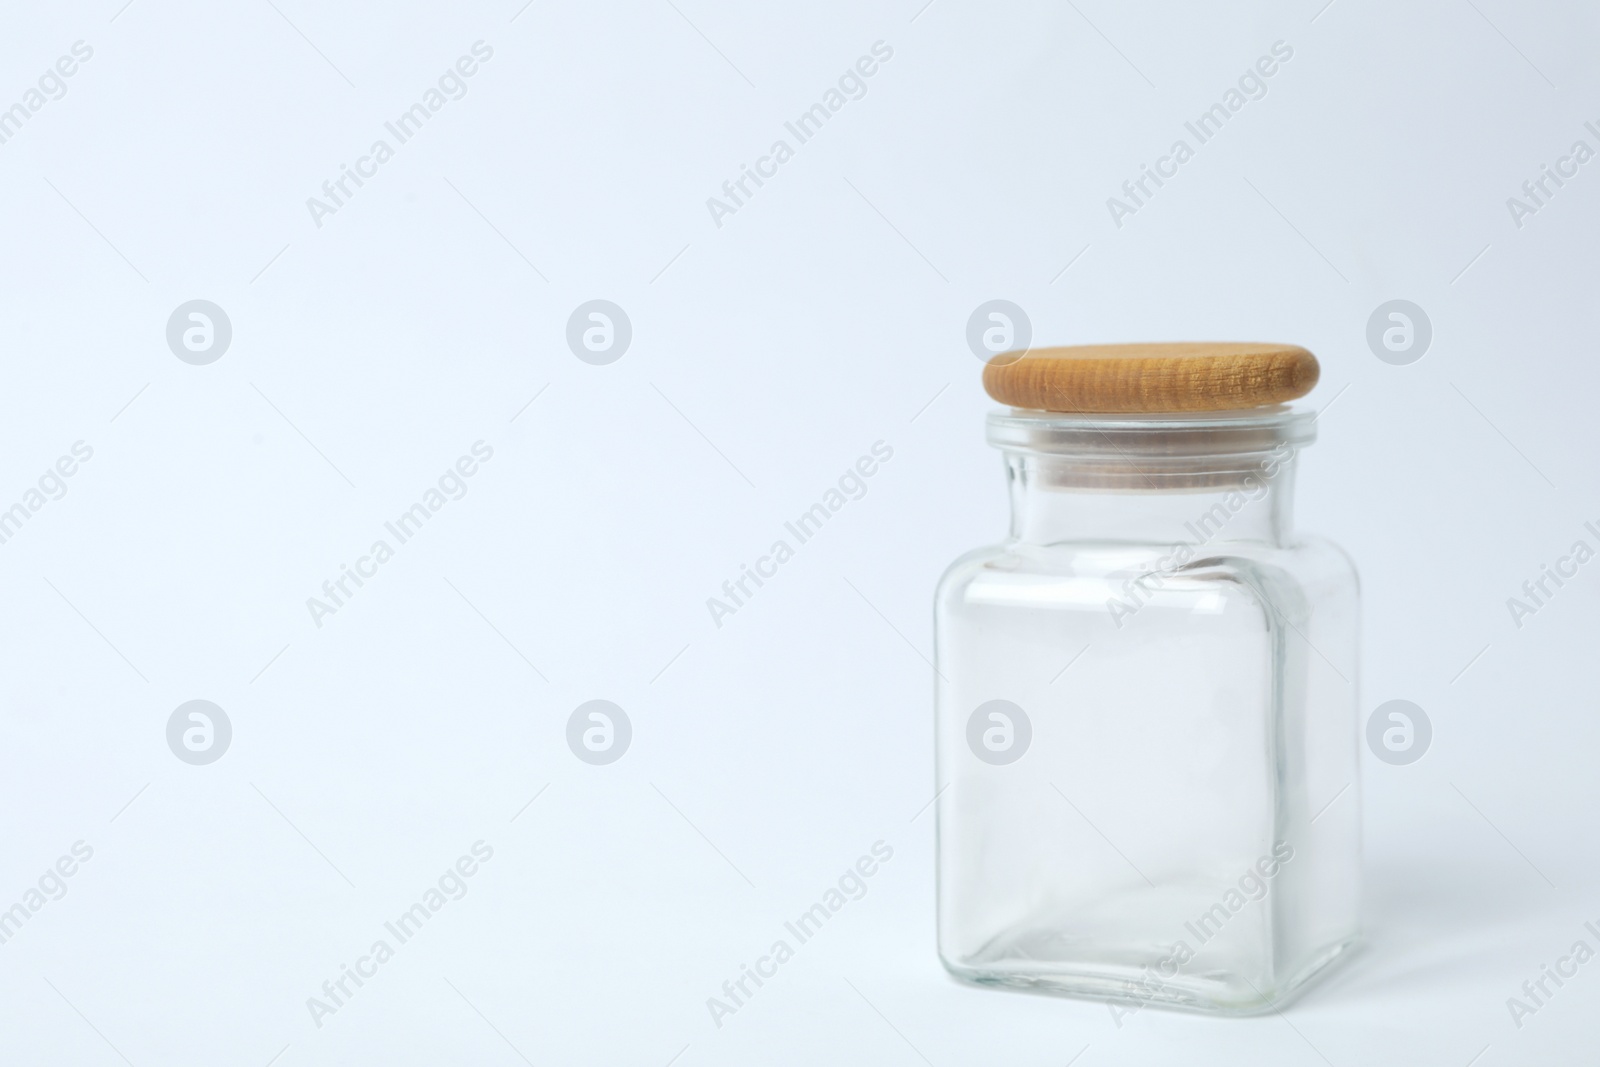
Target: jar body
{"points": [[1147, 744]]}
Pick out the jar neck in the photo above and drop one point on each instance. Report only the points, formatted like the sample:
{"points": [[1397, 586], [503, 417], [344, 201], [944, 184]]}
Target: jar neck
{"points": [[1193, 479], [1047, 507]]}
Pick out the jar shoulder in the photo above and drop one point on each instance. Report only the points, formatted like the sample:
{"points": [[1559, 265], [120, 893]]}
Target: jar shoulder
{"points": [[1311, 566], [1321, 557]]}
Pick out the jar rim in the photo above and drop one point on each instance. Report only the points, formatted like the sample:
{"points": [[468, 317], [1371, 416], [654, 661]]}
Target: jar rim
{"points": [[1150, 438]]}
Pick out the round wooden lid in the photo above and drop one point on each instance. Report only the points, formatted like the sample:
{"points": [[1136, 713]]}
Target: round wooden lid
{"points": [[1152, 378]]}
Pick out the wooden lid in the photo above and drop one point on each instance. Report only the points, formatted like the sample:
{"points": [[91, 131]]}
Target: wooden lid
{"points": [[1152, 378]]}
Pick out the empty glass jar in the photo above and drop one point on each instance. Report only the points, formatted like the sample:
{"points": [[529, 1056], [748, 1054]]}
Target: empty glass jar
{"points": [[1147, 738]]}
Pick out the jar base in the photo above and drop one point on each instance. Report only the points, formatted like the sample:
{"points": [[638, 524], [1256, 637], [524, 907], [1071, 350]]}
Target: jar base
{"points": [[1210, 993]]}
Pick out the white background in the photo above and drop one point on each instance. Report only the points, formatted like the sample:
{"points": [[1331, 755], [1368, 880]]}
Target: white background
{"points": [[768, 354]]}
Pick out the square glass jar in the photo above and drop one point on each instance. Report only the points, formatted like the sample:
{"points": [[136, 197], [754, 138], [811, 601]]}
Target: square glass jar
{"points": [[1147, 719]]}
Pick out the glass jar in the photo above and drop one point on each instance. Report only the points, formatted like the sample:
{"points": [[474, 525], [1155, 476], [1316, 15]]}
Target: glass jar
{"points": [[1147, 720]]}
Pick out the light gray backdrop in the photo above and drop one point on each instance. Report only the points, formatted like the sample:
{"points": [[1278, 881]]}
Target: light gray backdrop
{"points": [[377, 337]]}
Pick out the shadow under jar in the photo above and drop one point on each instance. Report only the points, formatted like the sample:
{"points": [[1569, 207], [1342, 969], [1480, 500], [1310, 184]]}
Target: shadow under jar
{"points": [[1147, 718]]}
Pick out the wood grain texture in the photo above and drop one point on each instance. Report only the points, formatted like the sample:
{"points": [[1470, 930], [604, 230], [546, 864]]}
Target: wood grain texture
{"points": [[1172, 376]]}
